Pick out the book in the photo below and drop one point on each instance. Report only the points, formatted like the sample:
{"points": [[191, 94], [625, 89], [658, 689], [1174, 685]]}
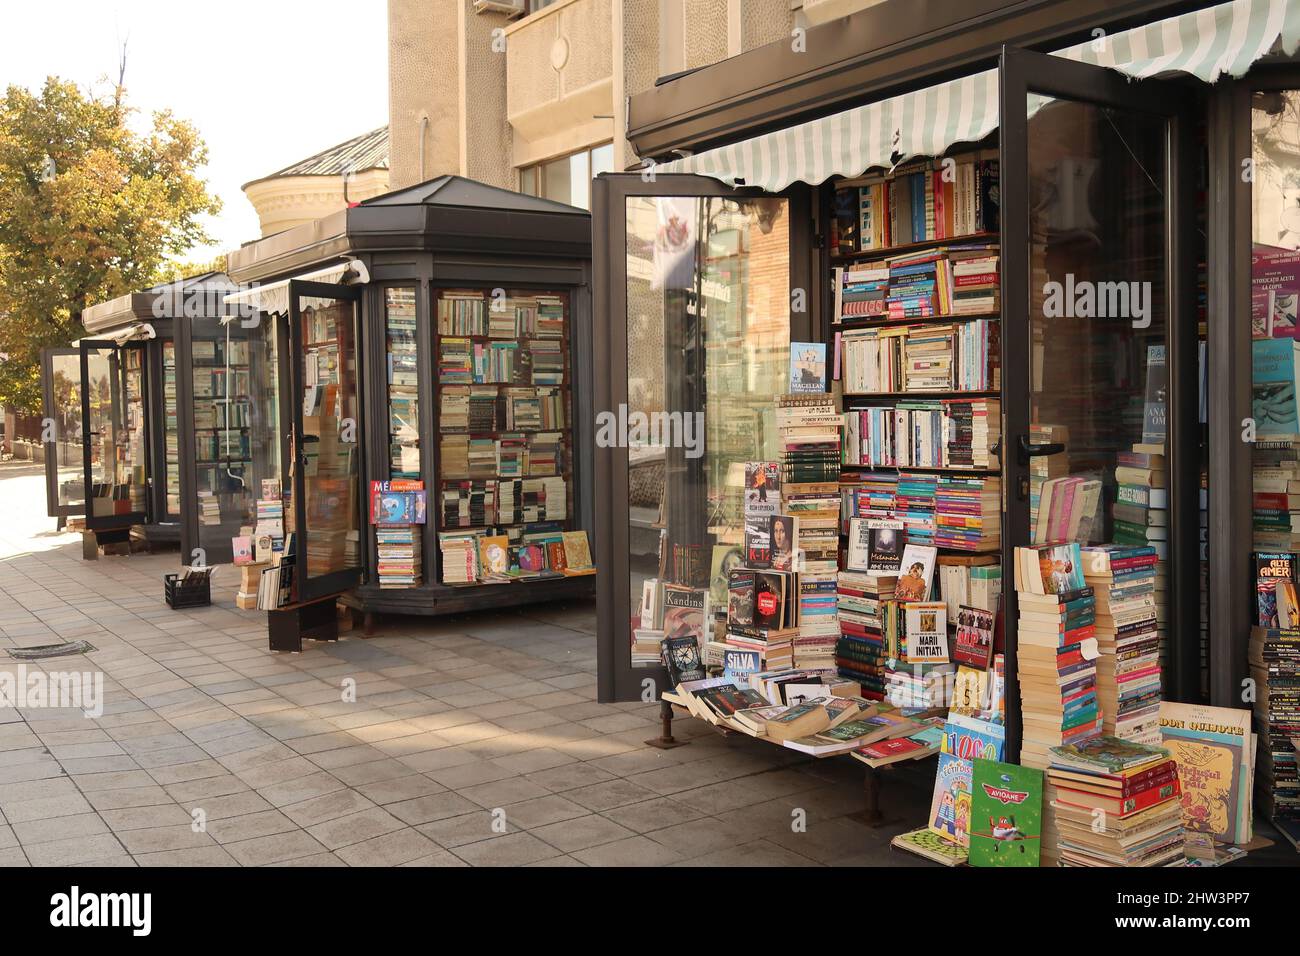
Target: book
{"points": [[577, 553], [1006, 814], [242, 548], [807, 367], [1214, 748], [1273, 387], [681, 657], [929, 845], [916, 572], [974, 641], [885, 544], [799, 720], [683, 612], [783, 535], [950, 807], [1275, 590], [927, 632]]}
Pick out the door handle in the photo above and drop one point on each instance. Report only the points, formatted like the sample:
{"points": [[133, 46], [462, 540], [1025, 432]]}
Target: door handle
{"points": [[1028, 450]]}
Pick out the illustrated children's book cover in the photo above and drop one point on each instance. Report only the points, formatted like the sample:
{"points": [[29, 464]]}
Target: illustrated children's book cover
{"points": [[950, 808], [1214, 748], [1006, 814], [1275, 589]]}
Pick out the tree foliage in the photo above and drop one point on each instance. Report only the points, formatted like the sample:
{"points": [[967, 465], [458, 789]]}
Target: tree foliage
{"points": [[90, 209]]}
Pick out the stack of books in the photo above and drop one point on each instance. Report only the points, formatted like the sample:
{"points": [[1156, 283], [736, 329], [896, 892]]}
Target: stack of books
{"points": [[459, 554], [923, 433], [398, 549], [1275, 666], [468, 504], [860, 290], [969, 581], [1276, 506], [968, 513], [1065, 509], [860, 651], [808, 427], [1057, 652], [762, 619], [971, 281], [1043, 467], [915, 505], [270, 516], [209, 508], [521, 501], [1123, 581], [1112, 802], [1141, 509]]}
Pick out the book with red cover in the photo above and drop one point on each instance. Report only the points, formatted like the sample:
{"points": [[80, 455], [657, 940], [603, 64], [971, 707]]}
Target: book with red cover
{"points": [[891, 748]]}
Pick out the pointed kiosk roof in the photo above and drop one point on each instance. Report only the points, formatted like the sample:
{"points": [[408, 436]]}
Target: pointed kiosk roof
{"points": [[447, 215]]}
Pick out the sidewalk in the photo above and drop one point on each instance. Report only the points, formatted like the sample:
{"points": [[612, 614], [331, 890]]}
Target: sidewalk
{"points": [[472, 740]]}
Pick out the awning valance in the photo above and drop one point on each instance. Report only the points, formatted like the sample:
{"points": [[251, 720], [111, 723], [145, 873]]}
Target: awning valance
{"points": [[1207, 44], [273, 298]]}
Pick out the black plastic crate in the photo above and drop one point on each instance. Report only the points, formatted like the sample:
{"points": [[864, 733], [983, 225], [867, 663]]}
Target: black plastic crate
{"points": [[180, 595]]}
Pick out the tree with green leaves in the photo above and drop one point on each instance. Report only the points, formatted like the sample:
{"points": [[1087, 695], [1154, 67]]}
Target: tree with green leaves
{"points": [[90, 209]]}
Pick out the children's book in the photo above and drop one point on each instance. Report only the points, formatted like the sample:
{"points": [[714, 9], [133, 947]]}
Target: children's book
{"points": [[928, 845], [950, 806], [1214, 748], [1006, 814]]}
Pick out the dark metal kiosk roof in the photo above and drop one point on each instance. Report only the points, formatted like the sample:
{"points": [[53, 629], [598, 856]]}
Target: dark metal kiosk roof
{"points": [[449, 214], [166, 301]]}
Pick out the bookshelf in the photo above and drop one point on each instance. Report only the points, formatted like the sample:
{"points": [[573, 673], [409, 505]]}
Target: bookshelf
{"points": [[915, 318], [171, 432], [502, 412], [222, 417]]}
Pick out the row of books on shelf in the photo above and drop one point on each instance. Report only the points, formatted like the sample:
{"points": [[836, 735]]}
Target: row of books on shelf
{"points": [[470, 314], [509, 455], [237, 413], [948, 511], [935, 357], [924, 433], [922, 201], [219, 352], [222, 444], [487, 408], [463, 361], [535, 552], [948, 281], [220, 382], [466, 504]]}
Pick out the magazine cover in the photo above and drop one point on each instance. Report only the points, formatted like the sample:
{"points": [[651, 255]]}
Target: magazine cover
{"points": [[1006, 814]]}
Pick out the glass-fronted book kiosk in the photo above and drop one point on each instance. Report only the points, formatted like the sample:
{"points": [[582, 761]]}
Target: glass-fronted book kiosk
{"points": [[433, 369], [130, 409]]}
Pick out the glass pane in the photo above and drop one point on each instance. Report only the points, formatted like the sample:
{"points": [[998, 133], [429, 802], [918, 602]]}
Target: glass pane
{"points": [[236, 426], [1275, 291], [708, 342], [171, 434], [567, 180], [602, 160], [329, 436], [528, 180], [70, 477], [115, 379], [1098, 316], [403, 384]]}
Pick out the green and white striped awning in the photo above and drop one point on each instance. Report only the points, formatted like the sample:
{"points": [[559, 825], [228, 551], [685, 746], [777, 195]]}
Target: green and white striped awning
{"points": [[1224, 39]]}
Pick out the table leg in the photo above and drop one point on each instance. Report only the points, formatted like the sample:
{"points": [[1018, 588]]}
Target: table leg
{"points": [[665, 740]]}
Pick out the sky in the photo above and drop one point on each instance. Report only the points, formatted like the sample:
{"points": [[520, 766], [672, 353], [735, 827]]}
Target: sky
{"points": [[266, 83]]}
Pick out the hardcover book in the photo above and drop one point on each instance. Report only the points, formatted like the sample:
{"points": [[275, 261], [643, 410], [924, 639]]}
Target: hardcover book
{"points": [[1006, 814]]}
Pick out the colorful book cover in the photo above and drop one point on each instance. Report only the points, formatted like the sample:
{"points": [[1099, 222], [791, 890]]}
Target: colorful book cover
{"points": [[931, 846], [1214, 749], [974, 644], [1006, 814], [916, 573], [1273, 387], [807, 367], [950, 807]]}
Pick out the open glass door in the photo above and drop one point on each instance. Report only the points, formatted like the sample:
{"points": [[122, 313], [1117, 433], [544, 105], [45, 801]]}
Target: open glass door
{"points": [[695, 282], [61, 401], [1099, 353], [326, 447], [114, 444]]}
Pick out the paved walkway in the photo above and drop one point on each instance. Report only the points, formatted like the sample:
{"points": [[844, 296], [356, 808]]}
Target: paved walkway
{"points": [[472, 740]]}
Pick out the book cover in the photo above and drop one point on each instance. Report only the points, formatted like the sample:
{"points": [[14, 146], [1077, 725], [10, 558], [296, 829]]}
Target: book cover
{"points": [[242, 546], [684, 611], [494, 554], [950, 806], [1275, 589], [681, 656], [1006, 814], [725, 559], [927, 632], [1214, 750], [930, 846], [1153, 404], [783, 532], [916, 571], [740, 598], [884, 544], [1273, 387], [577, 551], [807, 367], [974, 641], [858, 555]]}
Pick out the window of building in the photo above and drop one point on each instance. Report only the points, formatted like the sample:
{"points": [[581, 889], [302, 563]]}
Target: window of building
{"points": [[567, 179]]}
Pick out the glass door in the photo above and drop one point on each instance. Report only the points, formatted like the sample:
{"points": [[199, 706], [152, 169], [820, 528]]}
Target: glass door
{"points": [[114, 437], [61, 400], [1100, 354], [697, 282], [326, 495]]}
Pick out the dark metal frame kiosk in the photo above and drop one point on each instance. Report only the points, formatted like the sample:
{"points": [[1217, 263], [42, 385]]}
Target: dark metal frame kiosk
{"points": [[138, 452], [1163, 193], [380, 316]]}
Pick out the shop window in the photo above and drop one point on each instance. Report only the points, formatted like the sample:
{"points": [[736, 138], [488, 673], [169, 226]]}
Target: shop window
{"points": [[171, 433], [567, 179], [1275, 351], [403, 382]]}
